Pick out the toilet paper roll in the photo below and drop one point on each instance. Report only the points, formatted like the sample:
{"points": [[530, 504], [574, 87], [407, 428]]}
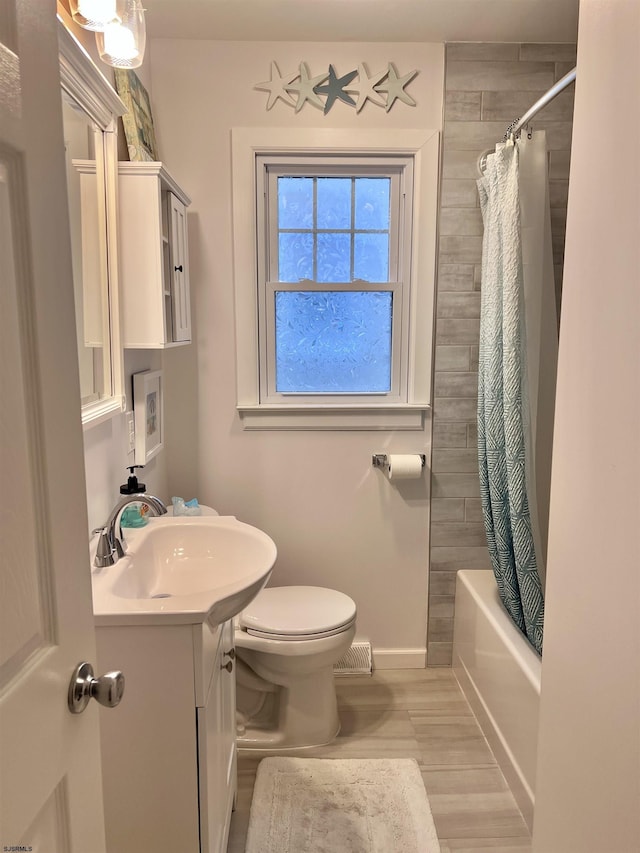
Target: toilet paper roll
{"points": [[404, 466]]}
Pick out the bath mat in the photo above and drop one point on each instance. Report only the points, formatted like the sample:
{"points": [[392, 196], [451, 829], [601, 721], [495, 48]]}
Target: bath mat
{"points": [[319, 805]]}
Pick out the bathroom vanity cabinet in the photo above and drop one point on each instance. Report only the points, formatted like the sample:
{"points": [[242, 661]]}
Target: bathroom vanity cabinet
{"points": [[168, 749], [154, 264]]}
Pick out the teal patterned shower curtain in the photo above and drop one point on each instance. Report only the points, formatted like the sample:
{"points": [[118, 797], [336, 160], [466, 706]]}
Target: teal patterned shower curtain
{"points": [[502, 398]]}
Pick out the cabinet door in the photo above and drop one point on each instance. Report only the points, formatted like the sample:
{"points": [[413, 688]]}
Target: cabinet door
{"points": [[179, 270], [217, 749]]}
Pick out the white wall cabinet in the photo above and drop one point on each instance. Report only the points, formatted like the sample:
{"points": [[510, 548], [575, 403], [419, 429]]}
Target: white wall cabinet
{"points": [[169, 749], [154, 261]]}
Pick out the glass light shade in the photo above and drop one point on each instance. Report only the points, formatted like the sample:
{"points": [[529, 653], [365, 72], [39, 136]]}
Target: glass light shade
{"points": [[122, 43], [95, 14]]}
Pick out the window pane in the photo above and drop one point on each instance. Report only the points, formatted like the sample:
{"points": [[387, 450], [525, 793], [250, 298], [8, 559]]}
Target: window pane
{"points": [[372, 203], [295, 256], [295, 202], [371, 257], [334, 257], [334, 203], [333, 342]]}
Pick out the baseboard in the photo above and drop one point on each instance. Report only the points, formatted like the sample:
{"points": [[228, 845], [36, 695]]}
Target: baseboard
{"points": [[399, 658]]}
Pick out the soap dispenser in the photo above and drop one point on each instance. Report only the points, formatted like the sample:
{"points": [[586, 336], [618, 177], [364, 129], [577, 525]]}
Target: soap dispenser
{"points": [[132, 486], [134, 515]]}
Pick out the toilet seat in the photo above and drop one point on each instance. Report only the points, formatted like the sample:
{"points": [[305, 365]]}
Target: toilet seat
{"points": [[298, 613]]}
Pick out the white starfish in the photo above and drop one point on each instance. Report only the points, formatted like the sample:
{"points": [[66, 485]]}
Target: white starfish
{"points": [[366, 91], [305, 87], [394, 87], [277, 86]]}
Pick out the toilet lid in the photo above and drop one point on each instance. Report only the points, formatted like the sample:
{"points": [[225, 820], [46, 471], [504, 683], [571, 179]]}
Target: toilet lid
{"points": [[299, 612]]}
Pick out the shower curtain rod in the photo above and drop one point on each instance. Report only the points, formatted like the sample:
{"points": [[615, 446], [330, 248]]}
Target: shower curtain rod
{"points": [[517, 125]]}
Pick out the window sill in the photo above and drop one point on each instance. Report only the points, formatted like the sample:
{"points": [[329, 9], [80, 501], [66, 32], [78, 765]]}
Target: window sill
{"points": [[406, 416]]}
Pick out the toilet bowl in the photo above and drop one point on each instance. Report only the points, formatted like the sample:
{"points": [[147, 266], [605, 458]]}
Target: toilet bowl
{"points": [[287, 642]]}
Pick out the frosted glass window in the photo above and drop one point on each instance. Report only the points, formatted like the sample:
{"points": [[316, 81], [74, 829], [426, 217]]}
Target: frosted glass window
{"points": [[348, 220], [296, 256], [334, 203], [295, 202], [333, 342], [372, 203], [371, 257]]}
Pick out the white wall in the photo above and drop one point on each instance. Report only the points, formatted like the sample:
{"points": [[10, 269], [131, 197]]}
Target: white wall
{"points": [[336, 522], [589, 746]]}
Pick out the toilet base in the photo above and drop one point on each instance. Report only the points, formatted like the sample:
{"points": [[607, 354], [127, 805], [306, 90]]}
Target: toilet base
{"points": [[299, 715]]}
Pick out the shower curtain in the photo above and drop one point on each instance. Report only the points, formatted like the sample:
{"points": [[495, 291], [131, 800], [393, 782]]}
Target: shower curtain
{"points": [[516, 374]]}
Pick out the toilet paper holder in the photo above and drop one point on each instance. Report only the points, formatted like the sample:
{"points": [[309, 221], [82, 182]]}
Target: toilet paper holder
{"points": [[381, 460]]}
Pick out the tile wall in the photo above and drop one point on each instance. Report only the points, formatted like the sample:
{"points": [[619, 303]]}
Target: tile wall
{"points": [[486, 87]]}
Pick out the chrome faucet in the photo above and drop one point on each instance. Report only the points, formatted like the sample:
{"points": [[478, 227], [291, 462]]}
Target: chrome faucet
{"points": [[110, 546]]}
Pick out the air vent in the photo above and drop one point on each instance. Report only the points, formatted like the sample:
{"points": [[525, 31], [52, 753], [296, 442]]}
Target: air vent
{"points": [[356, 661]]}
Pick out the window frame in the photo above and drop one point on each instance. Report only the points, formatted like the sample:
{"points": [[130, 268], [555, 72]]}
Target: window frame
{"points": [[269, 168], [422, 146]]}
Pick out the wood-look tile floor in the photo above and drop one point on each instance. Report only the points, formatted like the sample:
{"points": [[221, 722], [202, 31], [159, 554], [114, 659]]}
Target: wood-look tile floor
{"points": [[419, 714]]}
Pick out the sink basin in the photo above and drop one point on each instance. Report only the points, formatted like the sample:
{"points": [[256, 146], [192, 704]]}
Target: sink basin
{"points": [[184, 569]]}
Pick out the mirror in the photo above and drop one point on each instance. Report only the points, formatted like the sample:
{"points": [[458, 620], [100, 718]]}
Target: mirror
{"points": [[90, 108]]}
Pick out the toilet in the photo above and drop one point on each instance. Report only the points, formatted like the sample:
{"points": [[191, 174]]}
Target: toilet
{"points": [[287, 642]]}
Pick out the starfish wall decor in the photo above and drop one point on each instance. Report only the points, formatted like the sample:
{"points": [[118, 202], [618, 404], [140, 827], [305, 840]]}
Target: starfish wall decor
{"points": [[382, 89]]}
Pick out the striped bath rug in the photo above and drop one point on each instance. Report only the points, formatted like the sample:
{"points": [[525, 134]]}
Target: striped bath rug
{"points": [[320, 805]]}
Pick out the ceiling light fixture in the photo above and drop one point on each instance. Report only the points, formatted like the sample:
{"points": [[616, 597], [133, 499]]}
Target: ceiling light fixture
{"points": [[94, 15], [122, 43]]}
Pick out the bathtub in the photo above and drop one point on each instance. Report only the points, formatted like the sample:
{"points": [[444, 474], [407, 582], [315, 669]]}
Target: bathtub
{"points": [[499, 673]]}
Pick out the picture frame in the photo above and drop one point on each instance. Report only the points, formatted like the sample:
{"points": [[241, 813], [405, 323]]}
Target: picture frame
{"points": [[138, 120], [148, 415]]}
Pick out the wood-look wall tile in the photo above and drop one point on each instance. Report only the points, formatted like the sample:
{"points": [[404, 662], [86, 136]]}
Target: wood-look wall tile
{"points": [[454, 485], [460, 250], [549, 52], [460, 164], [563, 68], [455, 277], [460, 305], [452, 358], [447, 509], [455, 408], [462, 221], [472, 434], [474, 355], [449, 434], [474, 76], [439, 654], [559, 135], [473, 136], [457, 332], [452, 534], [442, 584], [462, 106], [486, 51], [473, 510], [455, 558], [558, 193], [442, 606], [459, 194], [445, 460], [507, 106], [440, 630], [456, 384], [559, 162]]}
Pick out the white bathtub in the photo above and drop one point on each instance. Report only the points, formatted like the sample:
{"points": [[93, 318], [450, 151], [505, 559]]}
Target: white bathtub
{"points": [[499, 673]]}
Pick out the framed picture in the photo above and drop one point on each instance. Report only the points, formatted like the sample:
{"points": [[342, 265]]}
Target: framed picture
{"points": [[137, 121], [147, 410]]}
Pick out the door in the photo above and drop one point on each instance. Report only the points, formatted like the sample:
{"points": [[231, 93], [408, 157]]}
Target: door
{"points": [[179, 269], [50, 778]]}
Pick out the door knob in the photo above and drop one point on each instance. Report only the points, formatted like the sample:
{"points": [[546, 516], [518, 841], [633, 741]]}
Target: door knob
{"points": [[107, 690]]}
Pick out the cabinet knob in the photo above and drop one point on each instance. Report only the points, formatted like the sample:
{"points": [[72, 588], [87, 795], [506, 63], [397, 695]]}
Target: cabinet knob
{"points": [[178, 269], [228, 666]]}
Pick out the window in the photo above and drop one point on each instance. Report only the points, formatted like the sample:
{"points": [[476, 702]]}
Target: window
{"points": [[334, 253], [334, 261]]}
